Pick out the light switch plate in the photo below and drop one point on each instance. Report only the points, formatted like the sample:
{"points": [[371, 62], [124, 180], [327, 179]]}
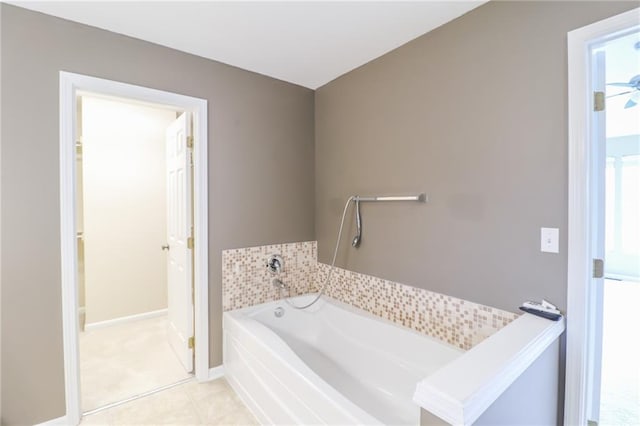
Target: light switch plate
{"points": [[549, 240]]}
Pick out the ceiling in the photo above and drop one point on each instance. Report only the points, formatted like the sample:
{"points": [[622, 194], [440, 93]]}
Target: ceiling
{"points": [[302, 42]]}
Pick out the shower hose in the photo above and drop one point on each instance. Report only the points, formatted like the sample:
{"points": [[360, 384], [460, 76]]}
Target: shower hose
{"points": [[333, 262]]}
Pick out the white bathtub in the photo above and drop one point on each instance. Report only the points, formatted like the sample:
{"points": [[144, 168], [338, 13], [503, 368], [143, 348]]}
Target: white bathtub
{"points": [[328, 364]]}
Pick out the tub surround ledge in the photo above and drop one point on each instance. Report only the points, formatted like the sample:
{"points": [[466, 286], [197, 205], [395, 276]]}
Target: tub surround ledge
{"points": [[461, 391]]}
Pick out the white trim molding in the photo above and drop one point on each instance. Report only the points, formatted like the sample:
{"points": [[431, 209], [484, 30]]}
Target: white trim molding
{"points": [[60, 421], [461, 391], [70, 84], [123, 320], [216, 372], [581, 211]]}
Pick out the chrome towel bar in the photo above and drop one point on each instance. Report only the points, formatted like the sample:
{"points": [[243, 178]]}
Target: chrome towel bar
{"points": [[421, 198]]}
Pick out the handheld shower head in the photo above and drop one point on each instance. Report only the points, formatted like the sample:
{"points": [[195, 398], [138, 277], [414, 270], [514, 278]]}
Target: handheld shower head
{"points": [[356, 240]]}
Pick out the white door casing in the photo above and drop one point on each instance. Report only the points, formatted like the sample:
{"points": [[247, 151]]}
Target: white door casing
{"points": [[70, 84], [179, 235]]}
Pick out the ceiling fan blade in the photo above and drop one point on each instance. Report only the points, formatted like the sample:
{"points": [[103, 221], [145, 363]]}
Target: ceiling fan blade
{"points": [[618, 94], [630, 104], [621, 84]]}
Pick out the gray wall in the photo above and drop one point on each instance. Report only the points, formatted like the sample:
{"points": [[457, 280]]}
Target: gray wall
{"points": [[474, 114], [260, 138]]}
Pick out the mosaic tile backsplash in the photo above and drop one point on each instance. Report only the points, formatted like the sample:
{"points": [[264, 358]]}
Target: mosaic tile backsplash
{"points": [[458, 322], [246, 282]]}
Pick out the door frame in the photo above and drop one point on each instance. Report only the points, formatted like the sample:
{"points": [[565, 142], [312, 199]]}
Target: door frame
{"points": [[70, 84], [582, 209]]}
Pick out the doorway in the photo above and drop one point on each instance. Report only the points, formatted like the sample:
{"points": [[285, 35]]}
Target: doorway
{"points": [[604, 223], [617, 402], [123, 209], [194, 245]]}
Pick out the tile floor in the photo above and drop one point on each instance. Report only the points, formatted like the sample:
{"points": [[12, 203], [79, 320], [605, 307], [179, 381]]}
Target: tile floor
{"points": [[210, 403], [126, 360]]}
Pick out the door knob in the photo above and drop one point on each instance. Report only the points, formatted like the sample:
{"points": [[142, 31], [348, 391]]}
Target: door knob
{"points": [[165, 247]]}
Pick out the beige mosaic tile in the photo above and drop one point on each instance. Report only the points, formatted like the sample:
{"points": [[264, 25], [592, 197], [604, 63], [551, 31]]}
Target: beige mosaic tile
{"points": [[247, 282], [458, 322]]}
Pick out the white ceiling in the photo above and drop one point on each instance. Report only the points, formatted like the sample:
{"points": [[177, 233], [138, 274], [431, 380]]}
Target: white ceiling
{"points": [[306, 43]]}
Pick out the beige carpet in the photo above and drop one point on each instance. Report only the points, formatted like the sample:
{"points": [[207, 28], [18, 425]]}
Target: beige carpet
{"points": [[126, 360]]}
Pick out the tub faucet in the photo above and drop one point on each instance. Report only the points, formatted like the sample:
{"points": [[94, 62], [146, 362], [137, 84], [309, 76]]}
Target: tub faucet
{"points": [[277, 283]]}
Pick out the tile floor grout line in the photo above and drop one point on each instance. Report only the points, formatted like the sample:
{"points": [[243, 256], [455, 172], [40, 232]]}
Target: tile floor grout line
{"points": [[135, 397], [195, 407], [237, 415]]}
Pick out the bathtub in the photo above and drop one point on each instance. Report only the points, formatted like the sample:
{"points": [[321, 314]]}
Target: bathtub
{"points": [[328, 364]]}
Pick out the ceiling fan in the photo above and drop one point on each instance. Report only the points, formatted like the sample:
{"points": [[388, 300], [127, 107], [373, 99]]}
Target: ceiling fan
{"points": [[634, 92]]}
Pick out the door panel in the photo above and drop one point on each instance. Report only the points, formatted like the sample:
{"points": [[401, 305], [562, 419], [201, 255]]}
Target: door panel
{"points": [[179, 230], [598, 193]]}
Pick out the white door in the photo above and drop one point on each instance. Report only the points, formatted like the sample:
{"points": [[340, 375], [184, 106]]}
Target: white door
{"points": [[599, 137], [179, 239]]}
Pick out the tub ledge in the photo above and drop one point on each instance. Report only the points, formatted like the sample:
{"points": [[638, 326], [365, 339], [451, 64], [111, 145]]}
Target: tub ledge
{"points": [[460, 392]]}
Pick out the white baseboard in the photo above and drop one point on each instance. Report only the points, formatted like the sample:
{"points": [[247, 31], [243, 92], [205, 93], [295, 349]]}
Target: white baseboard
{"points": [[216, 372], [121, 320], [55, 422]]}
